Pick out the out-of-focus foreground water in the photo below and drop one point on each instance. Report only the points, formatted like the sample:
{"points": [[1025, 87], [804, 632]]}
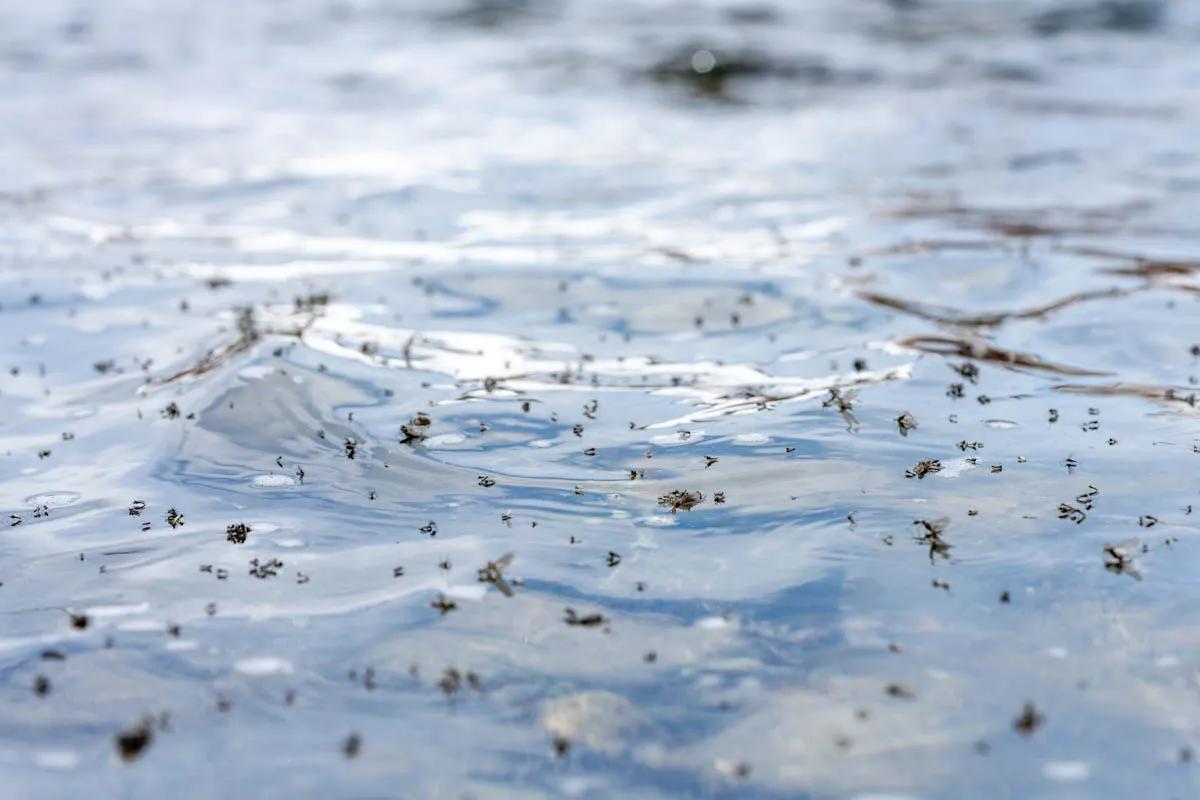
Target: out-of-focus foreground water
{"points": [[590, 254]]}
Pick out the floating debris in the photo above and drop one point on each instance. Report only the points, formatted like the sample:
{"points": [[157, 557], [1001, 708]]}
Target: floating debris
{"points": [[923, 468], [680, 500]]}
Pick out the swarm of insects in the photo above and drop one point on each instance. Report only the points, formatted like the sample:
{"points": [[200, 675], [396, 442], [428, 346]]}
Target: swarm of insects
{"points": [[1072, 513], [680, 499], [923, 468], [266, 569], [236, 532], [453, 680]]}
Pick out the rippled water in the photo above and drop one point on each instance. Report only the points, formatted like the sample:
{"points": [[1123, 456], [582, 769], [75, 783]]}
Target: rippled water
{"points": [[590, 255]]}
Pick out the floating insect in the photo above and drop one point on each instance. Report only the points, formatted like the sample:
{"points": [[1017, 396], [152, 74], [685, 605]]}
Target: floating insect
{"points": [[174, 518], [493, 573], [133, 740], [486, 481], [587, 621], [351, 745], [906, 422], [844, 403], [931, 537], [136, 508], [443, 604], [967, 370], [1119, 557], [1028, 721]]}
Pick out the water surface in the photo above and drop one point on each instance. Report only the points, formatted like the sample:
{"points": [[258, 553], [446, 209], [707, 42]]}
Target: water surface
{"points": [[648, 286]]}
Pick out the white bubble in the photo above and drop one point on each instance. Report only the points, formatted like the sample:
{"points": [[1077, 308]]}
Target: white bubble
{"points": [[272, 481], [1067, 771], [703, 61], [263, 665]]}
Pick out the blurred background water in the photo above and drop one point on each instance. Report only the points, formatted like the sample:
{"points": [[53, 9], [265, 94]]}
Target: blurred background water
{"points": [[313, 309]]}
